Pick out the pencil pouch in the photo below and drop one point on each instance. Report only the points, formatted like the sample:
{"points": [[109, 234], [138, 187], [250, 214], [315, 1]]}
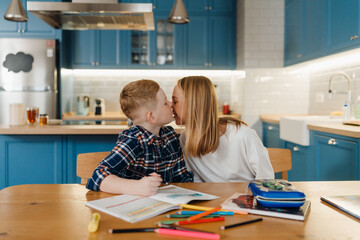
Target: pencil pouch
{"points": [[276, 193]]}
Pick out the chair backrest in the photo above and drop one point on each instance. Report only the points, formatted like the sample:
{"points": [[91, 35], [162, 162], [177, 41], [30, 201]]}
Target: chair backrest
{"points": [[280, 159], [86, 163]]}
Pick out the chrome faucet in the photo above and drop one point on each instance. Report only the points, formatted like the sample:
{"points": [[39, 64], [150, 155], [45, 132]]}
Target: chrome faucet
{"points": [[348, 92]]}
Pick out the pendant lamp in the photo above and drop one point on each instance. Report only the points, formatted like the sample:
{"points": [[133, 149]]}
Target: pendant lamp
{"points": [[16, 12], [178, 13]]}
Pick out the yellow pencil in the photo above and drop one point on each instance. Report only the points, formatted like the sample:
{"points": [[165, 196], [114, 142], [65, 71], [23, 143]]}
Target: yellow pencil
{"points": [[194, 207], [201, 208]]}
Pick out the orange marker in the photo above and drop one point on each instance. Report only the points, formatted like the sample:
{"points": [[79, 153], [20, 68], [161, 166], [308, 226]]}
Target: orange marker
{"points": [[203, 214], [204, 220]]}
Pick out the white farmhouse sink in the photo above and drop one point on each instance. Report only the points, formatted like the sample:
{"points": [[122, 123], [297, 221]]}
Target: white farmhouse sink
{"points": [[294, 128]]}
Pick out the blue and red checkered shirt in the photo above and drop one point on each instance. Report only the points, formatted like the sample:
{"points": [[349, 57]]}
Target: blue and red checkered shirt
{"points": [[141, 151]]}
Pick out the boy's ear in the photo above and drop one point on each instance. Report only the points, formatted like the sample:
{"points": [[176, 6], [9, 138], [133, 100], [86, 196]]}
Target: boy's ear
{"points": [[150, 117]]}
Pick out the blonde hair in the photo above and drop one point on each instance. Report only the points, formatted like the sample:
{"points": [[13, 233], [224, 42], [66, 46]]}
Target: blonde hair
{"points": [[202, 121], [136, 94]]}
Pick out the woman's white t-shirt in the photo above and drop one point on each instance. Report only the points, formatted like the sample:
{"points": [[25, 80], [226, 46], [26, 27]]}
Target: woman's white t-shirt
{"points": [[241, 156]]}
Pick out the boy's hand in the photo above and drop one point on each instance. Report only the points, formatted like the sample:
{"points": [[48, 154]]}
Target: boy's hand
{"points": [[149, 185]]}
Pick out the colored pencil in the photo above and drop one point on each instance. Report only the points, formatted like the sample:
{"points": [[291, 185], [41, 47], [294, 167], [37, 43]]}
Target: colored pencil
{"points": [[206, 220], [203, 214], [188, 215], [169, 221], [240, 224], [182, 233], [197, 212], [131, 230], [180, 228], [201, 208], [194, 207]]}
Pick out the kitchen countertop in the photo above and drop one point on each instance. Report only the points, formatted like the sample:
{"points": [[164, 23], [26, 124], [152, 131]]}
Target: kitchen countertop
{"points": [[333, 128], [336, 128], [69, 129], [113, 116]]}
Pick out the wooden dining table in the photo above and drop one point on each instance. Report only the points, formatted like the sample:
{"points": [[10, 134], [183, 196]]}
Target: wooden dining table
{"points": [[58, 211]]}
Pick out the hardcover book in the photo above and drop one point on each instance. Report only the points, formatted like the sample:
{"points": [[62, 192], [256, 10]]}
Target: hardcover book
{"points": [[248, 203], [347, 203], [133, 208]]}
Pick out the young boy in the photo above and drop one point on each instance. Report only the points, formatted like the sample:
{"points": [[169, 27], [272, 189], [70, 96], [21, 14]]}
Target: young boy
{"points": [[148, 153]]}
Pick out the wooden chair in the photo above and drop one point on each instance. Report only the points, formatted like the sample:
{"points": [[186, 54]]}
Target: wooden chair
{"points": [[86, 163], [280, 159]]}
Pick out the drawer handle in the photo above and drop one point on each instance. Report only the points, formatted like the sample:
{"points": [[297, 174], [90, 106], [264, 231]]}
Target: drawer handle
{"points": [[270, 127], [295, 149], [332, 141]]}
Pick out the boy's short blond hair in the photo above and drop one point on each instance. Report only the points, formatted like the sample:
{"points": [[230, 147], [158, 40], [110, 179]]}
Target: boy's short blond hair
{"points": [[136, 94]]}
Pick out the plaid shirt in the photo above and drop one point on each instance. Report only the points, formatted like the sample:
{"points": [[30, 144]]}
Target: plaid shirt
{"points": [[141, 151]]}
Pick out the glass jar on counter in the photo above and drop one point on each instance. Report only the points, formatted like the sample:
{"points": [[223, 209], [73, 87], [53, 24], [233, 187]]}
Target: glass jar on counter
{"points": [[44, 119]]}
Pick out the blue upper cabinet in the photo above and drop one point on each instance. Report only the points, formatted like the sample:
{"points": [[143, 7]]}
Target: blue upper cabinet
{"points": [[315, 22], [210, 37], [344, 25], [294, 11], [319, 28], [95, 48], [33, 28], [155, 49]]}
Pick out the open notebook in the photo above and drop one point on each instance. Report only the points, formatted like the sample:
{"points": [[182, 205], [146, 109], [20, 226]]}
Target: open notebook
{"points": [[133, 208]]}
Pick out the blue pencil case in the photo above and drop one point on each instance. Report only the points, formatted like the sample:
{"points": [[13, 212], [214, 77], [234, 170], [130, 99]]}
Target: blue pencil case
{"points": [[276, 193]]}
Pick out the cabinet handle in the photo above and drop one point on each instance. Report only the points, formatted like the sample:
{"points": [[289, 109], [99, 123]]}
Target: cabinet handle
{"points": [[296, 149], [206, 64], [209, 64], [270, 127], [210, 7], [356, 37], [332, 141], [19, 30], [206, 7], [299, 55], [351, 38]]}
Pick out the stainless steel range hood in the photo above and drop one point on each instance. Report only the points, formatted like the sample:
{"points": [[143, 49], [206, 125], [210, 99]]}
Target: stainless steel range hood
{"points": [[94, 14]]}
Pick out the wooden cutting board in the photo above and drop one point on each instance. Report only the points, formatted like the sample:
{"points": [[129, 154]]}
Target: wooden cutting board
{"points": [[354, 122]]}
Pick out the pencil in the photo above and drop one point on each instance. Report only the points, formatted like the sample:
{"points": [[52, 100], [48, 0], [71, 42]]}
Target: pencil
{"points": [[206, 220], [197, 212], [203, 214], [131, 230], [180, 228], [182, 233], [194, 207], [240, 224], [189, 215]]}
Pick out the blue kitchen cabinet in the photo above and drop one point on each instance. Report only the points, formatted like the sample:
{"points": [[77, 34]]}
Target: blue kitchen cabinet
{"points": [[336, 157], [155, 49], [95, 48], [294, 28], [34, 159], [271, 136], [209, 42], [33, 28], [214, 6], [77, 144], [344, 25], [315, 28], [302, 166]]}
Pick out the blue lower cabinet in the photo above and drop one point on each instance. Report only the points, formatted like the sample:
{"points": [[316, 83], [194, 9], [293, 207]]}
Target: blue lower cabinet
{"points": [[271, 136], [302, 168], [336, 157], [77, 144], [31, 160]]}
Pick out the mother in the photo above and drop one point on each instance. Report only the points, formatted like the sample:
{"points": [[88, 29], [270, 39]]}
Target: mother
{"points": [[216, 149]]}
